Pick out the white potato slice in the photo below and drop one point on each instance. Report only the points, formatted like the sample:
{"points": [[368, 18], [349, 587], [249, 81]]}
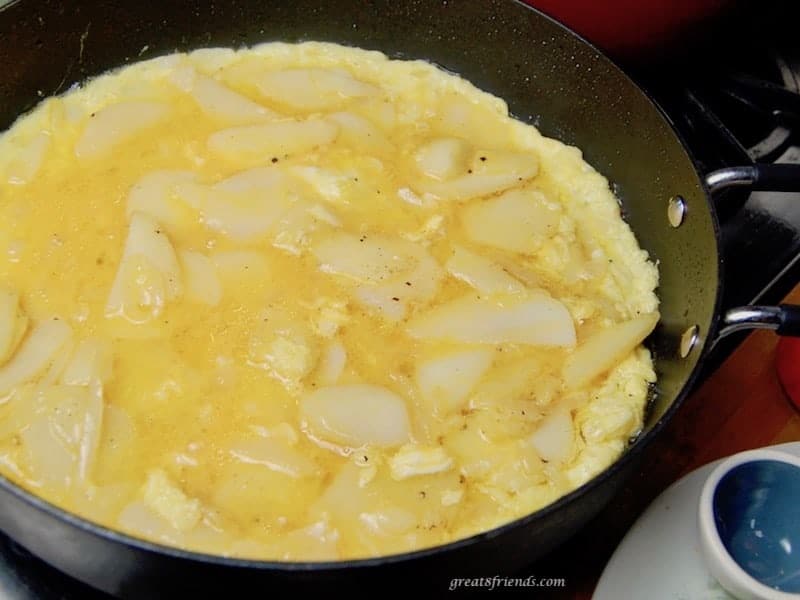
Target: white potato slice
{"points": [[91, 361], [279, 139], [169, 502], [389, 521], [379, 260], [554, 438], [51, 461], [313, 89], [537, 320], [13, 323], [218, 100], [244, 206], [443, 158], [389, 272], [605, 349], [327, 183], [213, 59], [154, 195], [356, 415], [357, 132], [317, 542], [275, 455], [413, 460], [294, 230], [518, 221], [25, 164], [445, 381], [366, 259], [37, 351], [91, 430], [116, 124], [61, 444], [332, 364], [500, 171], [200, 278], [282, 432], [323, 214], [481, 273], [148, 276], [141, 520], [383, 300]]}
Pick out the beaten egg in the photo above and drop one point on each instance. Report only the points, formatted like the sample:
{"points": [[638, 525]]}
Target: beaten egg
{"points": [[307, 302]]}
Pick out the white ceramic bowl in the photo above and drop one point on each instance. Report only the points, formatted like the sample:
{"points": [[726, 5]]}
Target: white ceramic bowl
{"points": [[747, 481]]}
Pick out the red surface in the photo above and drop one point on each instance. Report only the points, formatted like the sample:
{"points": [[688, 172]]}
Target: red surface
{"points": [[787, 362], [627, 27]]}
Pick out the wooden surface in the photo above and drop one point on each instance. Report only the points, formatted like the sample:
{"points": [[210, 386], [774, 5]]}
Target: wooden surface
{"points": [[740, 407]]}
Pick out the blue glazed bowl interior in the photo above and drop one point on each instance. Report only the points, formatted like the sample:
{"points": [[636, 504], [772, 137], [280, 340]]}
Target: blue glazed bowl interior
{"points": [[757, 513]]}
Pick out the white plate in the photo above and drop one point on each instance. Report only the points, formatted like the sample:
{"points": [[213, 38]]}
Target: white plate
{"points": [[659, 558]]}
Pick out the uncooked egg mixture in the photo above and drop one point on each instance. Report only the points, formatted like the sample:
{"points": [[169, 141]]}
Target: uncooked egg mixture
{"points": [[303, 302]]}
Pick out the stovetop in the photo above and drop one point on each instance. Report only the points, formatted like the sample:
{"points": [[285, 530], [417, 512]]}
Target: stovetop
{"points": [[734, 95]]}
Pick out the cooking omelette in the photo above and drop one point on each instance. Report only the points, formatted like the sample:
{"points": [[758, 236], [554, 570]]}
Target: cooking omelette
{"points": [[303, 302]]}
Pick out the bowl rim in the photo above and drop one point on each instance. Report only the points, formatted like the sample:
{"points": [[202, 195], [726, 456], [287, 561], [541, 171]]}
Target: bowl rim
{"points": [[722, 565]]}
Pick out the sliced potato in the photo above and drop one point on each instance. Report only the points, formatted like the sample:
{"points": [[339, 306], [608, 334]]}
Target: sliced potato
{"points": [[116, 124], [91, 430], [92, 361], [148, 276], [332, 364], [329, 184], [356, 415], [218, 100], [201, 279], [139, 519], [389, 272], [505, 170], [443, 158], [518, 221], [51, 461], [12, 323], [537, 320], [366, 259], [313, 89], [605, 349], [445, 381], [169, 502], [554, 438], [24, 166], [481, 273], [244, 206], [154, 195], [273, 454], [357, 132], [279, 139], [37, 351]]}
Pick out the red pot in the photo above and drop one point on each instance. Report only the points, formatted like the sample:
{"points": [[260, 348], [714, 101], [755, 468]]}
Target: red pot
{"points": [[630, 28]]}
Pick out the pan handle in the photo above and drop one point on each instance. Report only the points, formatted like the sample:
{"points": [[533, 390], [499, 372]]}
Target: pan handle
{"points": [[779, 177], [783, 319]]}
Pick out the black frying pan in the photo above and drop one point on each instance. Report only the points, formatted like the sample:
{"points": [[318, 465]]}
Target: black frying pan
{"points": [[548, 76]]}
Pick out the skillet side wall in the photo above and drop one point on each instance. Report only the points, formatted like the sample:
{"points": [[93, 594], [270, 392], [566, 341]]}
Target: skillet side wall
{"points": [[128, 571], [546, 75]]}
